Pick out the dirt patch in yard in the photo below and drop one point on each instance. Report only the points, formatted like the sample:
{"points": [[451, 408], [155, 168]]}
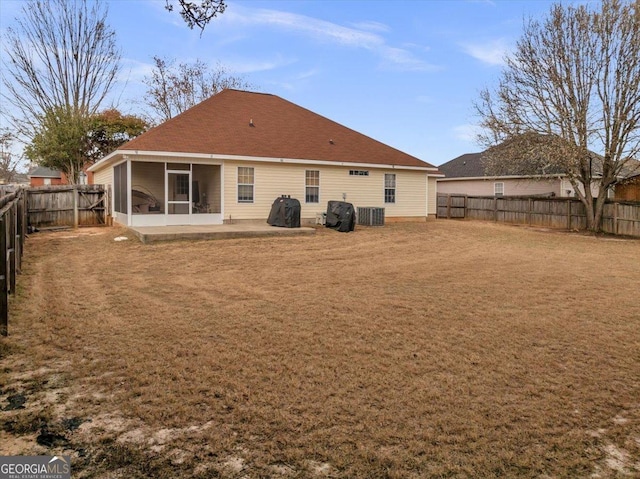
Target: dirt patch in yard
{"points": [[439, 349]]}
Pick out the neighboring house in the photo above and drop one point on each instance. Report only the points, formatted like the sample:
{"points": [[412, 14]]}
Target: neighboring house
{"points": [[21, 179], [228, 158], [41, 176], [629, 189], [466, 175]]}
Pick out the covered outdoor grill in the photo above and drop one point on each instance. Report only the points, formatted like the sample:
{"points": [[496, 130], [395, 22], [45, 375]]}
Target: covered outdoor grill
{"points": [[285, 212]]}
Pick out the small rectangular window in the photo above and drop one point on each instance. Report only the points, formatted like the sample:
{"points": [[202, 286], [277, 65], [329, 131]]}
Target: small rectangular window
{"points": [[498, 189], [390, 188], [245, 184], [312, 186], [358, 173], [182, 185]]}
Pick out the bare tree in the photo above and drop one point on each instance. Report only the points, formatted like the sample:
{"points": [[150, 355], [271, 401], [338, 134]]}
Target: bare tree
{"points": [[172, 89], [62, 54], [571, 87], [9, 162], [198, 14]]}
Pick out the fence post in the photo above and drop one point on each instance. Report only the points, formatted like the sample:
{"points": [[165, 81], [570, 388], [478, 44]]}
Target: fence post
{"points": [[615, 218], [4, 300], [495, 208], [569, 214], [448, 207], [11, 245], [529, 211], [74, 191]]}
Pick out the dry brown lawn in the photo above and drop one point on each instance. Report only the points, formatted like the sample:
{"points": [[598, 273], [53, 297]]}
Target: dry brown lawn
{"points": [[439, 349]]}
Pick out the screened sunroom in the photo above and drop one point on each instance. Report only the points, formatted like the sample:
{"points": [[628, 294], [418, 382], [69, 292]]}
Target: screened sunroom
{"points": [[158, 193]]}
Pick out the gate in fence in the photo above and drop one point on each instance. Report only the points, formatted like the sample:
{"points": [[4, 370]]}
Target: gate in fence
{"points": [[73, 205], [13, 228], [451, 206]]}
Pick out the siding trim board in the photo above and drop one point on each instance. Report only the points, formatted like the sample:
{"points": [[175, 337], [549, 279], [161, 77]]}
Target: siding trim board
{"points": [[185, 156]]}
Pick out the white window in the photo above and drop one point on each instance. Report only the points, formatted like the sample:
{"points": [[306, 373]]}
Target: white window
{"points": [[312, 186], [498, 189], [47, 181], [245, 184], [390, 188]]}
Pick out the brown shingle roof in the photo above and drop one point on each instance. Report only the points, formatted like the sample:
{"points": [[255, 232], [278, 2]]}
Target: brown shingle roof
{"points": [[221, 125], [468, 165]]}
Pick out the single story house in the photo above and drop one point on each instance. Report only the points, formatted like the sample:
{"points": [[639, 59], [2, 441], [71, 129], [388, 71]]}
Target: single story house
{"points": [[43, 176], [629, 189], [466, 175], [228, 158]]}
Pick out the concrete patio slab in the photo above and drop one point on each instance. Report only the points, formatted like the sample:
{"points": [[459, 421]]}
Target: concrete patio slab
{"points": [[148, 234]]}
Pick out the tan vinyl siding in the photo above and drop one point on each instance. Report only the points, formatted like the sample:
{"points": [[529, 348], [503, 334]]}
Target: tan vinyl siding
{"points": [[512, 187], [567, 189], [103, 177], [272, 180], [431, 196]]}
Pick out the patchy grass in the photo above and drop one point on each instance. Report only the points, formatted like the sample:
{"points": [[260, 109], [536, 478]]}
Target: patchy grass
{"points": [[443, 349]]}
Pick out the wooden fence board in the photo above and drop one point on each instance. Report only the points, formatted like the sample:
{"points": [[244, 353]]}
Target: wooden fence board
{"points": [[12, 236], [562, 213], [52, 206]]}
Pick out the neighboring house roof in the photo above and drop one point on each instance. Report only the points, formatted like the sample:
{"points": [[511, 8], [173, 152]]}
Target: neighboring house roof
{"points": [[43, 172], [247, 124], [468, 165], [20, 178]]}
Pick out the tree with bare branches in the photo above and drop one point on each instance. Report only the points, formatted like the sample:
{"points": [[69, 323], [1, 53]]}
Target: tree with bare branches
{"points": [[9, 162], [173, 88], [60, 63], [62, 54], [198, 14], [570, 88]]}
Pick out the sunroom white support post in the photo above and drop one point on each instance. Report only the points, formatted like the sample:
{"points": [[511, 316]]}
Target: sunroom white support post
{"points": [[222, 191], [166, 192], [129, 196]]}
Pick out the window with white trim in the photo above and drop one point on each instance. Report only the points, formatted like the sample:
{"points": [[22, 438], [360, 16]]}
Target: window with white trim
{"points": [[245, 184], [498, 189], [312, 186], [389, 187]]}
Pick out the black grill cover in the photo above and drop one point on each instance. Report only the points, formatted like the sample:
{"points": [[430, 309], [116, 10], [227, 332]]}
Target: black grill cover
{"points": [[285, 212], [341, 216]]}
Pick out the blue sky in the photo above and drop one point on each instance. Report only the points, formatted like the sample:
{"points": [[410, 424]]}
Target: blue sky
{"points": [[403, 72]]}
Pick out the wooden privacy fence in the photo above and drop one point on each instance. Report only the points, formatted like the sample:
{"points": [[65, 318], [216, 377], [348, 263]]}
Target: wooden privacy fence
{"points": [[621, 218], [13, 228], [76, 205]]}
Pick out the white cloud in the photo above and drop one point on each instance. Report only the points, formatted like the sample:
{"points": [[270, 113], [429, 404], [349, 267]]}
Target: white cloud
{"points": [[307, 74], [468, 132], [491, 3], [371, 26], [251, 66], [133, 70], [321, 30], [491, 52]]}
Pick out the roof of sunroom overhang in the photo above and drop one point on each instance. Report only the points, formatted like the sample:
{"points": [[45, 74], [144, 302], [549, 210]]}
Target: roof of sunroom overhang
{"points": [[245, 124]]}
